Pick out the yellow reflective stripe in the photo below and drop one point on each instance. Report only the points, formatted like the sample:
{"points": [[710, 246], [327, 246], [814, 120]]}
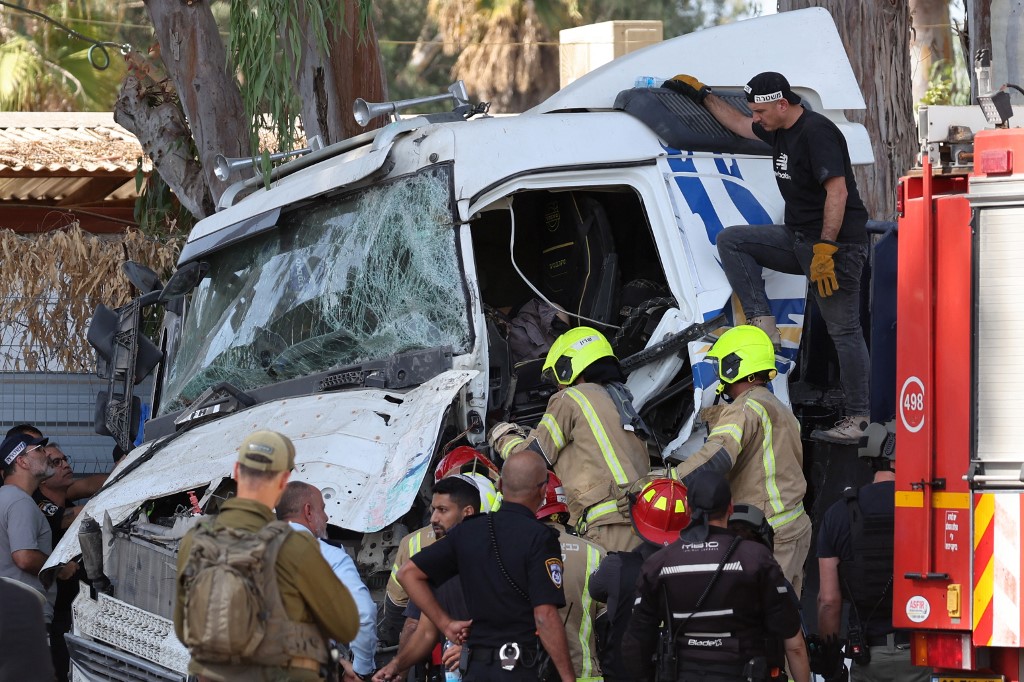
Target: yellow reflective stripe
{"points": [[599, 434], [734, 430], [586, 625], [780, 520], [768, 457], [599, 510], [415, 545], [506, 449], [548, 422], [394, 571]]}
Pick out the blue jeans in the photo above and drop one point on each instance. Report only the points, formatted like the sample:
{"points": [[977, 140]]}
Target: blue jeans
{"points": [[746, 249]]}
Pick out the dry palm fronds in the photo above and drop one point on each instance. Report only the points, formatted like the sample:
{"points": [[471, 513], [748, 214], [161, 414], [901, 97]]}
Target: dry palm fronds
{"points": [[50, 285]]}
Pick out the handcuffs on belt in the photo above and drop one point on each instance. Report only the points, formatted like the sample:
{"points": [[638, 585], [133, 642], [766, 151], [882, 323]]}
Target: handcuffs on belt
{"points": [[508, 653]]}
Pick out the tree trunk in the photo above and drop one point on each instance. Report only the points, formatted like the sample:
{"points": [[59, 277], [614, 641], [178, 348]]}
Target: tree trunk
{"points": [[164, 135], [329, 84], [195, 59], [876, 36], [931, 41]]}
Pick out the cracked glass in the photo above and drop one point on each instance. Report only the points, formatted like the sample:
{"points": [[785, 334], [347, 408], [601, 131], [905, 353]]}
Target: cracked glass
{"points": [[339, 281]]}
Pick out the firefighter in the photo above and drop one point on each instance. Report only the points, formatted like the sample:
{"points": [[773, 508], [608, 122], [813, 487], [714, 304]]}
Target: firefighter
{"points": [[824, 235], [855, 564], [580, 558], [658, 513], [591, 435], [754, 439], [708, 603], [461, 459]]}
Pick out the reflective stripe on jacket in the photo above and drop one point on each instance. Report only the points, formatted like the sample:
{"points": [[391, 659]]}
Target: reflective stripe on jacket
{"points": [[582, 438], [580, 558], [755, 442], [409, 546]]}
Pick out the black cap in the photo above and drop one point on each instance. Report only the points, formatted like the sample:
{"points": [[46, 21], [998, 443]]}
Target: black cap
{"points": [[708, 494], [17, 445], [770, 86]]}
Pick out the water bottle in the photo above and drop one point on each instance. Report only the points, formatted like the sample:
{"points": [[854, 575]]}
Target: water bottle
{"points": [[648, 82], [449, 675]]}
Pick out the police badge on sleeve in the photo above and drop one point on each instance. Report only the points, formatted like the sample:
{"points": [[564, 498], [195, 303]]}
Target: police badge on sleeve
{"points": [[48, 508], [554, 567]]}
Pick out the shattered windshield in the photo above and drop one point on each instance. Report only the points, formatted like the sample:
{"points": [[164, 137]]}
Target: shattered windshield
{"points": [[339, 281]]}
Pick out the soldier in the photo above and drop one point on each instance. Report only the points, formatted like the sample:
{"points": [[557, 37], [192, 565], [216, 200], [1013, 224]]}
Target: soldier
{"points": [[591, 435], [511, 570], [755, 442], [658, 513], [580, 558], [720, 598], [279, 630], [855, 563]]}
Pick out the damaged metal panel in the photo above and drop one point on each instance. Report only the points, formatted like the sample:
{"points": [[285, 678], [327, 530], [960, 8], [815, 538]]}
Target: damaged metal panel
{"points": [[368, 450]]}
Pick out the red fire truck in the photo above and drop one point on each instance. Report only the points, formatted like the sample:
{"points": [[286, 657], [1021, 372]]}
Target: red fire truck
{"points": [[960, 417]]}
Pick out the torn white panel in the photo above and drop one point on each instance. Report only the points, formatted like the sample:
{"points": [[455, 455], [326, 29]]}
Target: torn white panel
{"points": [[368, 449]]}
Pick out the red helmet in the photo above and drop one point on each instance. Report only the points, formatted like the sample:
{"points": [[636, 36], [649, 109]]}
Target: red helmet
{"points": [[659, 511], [555, 499], [465, 460]]}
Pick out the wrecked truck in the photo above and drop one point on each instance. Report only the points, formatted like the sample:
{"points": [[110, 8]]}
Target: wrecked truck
{"points": [[361, 304]]}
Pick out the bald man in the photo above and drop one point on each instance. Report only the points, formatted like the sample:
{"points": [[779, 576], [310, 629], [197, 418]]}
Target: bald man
{"points": [[510, 565]]}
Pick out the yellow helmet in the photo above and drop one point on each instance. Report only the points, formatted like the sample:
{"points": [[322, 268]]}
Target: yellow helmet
{"points": [[740, 352], [573, 352]]}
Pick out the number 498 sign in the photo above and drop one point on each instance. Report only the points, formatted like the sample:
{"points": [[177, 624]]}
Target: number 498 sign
{"points": [[912, 404]]}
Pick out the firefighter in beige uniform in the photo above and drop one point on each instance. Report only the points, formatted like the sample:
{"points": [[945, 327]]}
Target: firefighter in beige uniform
{"points": [[580, 558], [591, 435], [755, 442]]}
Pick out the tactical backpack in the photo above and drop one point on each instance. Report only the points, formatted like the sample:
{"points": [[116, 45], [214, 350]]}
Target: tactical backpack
{"points": [[233, 611]]}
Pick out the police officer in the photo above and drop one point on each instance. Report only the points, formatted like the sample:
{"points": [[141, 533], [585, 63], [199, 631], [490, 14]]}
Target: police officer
{"points": [[720, 596], [580, 558], [658, 513], [511, 569], [591, 435], [459, 460], [755, 442], [311, 605], [855, 563]]}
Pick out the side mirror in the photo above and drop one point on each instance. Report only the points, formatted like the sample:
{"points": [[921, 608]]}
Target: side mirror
{"points": [[144, 279], [184, 280]]}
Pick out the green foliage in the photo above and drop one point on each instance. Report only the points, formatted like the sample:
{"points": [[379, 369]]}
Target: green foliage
{"points": [[947, 85], [158, 213]]}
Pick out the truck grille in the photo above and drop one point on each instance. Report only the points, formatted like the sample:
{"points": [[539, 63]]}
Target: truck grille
{"points": [[94, 661]]}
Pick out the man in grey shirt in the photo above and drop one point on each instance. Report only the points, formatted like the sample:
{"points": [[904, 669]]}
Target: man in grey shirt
{"points": [[25, 536]]}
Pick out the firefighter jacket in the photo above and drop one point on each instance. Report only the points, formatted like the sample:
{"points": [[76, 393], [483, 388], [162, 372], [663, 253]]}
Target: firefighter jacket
{"points": [[580, 559], [748, 605], [755, 443], [409, 546], [583, 438]]}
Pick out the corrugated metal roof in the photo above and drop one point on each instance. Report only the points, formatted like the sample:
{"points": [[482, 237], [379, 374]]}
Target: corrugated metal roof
{"points": [[67, 159]]}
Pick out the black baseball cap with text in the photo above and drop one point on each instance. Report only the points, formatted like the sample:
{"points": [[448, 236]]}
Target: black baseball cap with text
{"points": [[770, 86]]}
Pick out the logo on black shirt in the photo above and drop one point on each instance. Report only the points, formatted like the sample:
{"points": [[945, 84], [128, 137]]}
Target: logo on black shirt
{"points": [[782, 167], [48, 508]]}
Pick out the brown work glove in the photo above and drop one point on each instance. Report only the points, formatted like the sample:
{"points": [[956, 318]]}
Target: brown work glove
{"points": [[823, 268], [689, 86]]}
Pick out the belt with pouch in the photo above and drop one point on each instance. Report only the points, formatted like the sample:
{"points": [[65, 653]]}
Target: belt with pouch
{"points": [[893, 639]]}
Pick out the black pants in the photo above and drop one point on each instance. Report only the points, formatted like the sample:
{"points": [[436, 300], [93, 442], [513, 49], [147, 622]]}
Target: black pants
{"points": [[491, 671]]}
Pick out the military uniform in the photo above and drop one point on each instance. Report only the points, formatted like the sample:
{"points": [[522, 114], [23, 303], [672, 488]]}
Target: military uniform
{"points": [[581, 559], [583, 438], [501, 602], [748, 603], [867, 581], [310, 593], [409, 546], [755, 443]]}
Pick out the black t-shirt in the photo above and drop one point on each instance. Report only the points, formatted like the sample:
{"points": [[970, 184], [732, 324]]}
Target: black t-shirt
{"points": [[531, 556], [451, 598], [835, 538], [804, 156], [67, 590]]}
